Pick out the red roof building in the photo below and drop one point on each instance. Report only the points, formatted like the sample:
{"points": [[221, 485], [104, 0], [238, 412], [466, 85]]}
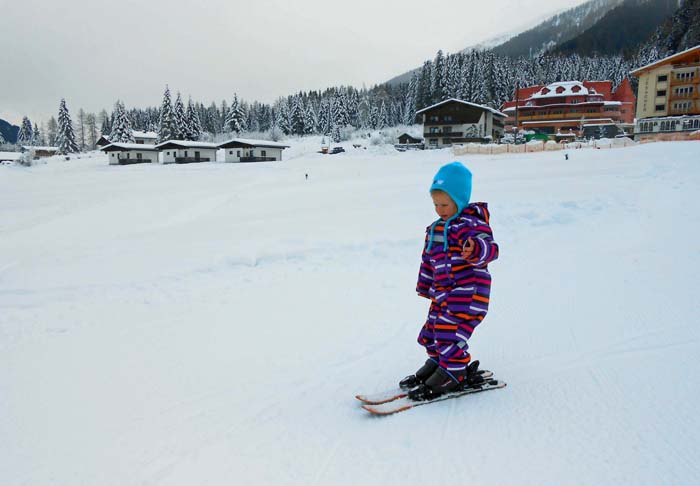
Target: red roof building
{"points": [[568, 108]]}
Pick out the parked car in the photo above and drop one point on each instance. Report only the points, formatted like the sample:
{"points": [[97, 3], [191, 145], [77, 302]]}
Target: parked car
{"points": [[336, 150]]}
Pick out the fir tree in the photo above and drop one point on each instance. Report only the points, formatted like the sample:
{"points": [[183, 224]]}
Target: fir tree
{"points": [[166, 124], [66, 136], [37, 136], [194, 126], [121, 129], [25, 134], [180, 119]]}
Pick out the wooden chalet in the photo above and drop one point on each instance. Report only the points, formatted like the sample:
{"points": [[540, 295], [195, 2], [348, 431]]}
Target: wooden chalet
{"points": [[456, 121]]}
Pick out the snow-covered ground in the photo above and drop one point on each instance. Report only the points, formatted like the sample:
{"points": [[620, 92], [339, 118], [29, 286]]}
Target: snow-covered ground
{"points": [[210, 324]]}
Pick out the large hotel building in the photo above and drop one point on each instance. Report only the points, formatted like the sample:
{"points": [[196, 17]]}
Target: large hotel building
{"points": [[668, 107], [569, 109]]}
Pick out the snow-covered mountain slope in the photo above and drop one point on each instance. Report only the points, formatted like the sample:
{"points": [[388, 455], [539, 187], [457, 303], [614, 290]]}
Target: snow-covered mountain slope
{"points": [[211, 323]]}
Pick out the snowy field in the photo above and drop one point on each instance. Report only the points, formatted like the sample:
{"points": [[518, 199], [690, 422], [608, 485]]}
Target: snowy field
{"points": [[210, 324]]}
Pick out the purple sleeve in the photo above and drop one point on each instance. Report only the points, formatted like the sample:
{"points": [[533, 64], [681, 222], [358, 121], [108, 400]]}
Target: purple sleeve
{"points": [[425, 276], [485, 249]]}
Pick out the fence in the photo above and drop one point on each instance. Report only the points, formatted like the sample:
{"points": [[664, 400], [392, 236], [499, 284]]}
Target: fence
{"points": [[494, 149]]}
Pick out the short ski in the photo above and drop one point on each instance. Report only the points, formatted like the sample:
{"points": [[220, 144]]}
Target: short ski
{"points": [[405, 403], [397, 393]]}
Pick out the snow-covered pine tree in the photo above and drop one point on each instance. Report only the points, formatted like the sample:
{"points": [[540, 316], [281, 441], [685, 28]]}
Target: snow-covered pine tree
{"points": [[282, 116], [105, 123], [66, 136], [24, 136], [166, 125], [37, 136], [409, 102], [2, 139], [437, 81], [297, 115], [194, 126], [180, 119], [324, 117], [423, 93], [452, 73], [234, 117], [310, 121], [383, 118], [121, 127]]}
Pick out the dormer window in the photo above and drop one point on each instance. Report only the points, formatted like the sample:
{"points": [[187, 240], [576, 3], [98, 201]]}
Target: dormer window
{"points": [[545, 91], [560, 89], [576, 89]]}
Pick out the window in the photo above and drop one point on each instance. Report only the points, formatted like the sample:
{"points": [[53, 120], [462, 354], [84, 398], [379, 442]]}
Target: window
{"points": [[433, 118], [230, 152], [434, 130], [659, 107], [661, 79], [238, 153], [263, 153], [448, 118], [185, 153], [447, 129], [139, 156], [661, 92], [167, 153]]}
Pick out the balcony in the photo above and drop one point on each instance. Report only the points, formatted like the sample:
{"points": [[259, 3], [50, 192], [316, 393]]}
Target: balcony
{"points": [[693, 110], [258, 159], [443, 135], [133, 161], [685, 96], [189, 160]]}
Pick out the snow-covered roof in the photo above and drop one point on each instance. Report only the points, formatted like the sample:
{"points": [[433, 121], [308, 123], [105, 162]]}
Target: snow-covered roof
{"points": [[187, 144], [10, 155], [254, 143], [37, 147], [483, 107], [665, 60], [140, 134], [563, 88], [128, 146]]}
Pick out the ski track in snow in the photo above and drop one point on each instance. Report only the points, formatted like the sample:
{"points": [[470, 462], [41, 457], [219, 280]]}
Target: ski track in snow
{"points": [[212, 323]]}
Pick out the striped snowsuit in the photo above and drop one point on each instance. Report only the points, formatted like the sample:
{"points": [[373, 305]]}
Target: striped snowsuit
{"points": [[459, 289]]}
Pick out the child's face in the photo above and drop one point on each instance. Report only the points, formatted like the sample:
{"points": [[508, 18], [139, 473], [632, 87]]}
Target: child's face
{"points": [[445, 207]]}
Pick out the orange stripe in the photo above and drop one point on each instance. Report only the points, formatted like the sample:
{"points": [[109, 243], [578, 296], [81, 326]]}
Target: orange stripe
{"points": [[446, 327], [480, 298]]}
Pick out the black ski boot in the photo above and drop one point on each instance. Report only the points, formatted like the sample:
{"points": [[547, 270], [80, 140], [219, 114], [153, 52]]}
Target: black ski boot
{"points": [[421, 375], [443, 381]]}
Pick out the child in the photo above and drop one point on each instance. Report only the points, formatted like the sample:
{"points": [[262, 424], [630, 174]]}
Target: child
{"points": [[454, 276]]}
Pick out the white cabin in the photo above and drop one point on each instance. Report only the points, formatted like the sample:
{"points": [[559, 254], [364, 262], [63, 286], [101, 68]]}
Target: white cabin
{"points": [[249, 150], [186, 152]]}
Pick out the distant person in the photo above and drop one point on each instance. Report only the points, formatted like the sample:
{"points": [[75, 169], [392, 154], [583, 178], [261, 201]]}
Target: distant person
{"points": [[454, 276], [566, 156], [307, 176]]}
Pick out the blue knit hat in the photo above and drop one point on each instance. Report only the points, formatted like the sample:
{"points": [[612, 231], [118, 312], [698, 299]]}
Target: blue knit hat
{"points": [[455, 180]]}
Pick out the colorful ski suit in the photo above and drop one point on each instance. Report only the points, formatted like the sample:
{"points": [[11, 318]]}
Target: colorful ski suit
{"points": [[459, 289]]}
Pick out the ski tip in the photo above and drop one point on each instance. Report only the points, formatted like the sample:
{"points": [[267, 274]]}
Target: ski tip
{"points": [[375, 411]]}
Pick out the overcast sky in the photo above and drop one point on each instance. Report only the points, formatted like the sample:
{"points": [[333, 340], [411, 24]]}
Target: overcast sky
{"points": [[93, 52]]}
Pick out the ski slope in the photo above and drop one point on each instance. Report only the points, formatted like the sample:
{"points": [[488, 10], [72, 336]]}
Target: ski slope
{"points": [[210, 324]]}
